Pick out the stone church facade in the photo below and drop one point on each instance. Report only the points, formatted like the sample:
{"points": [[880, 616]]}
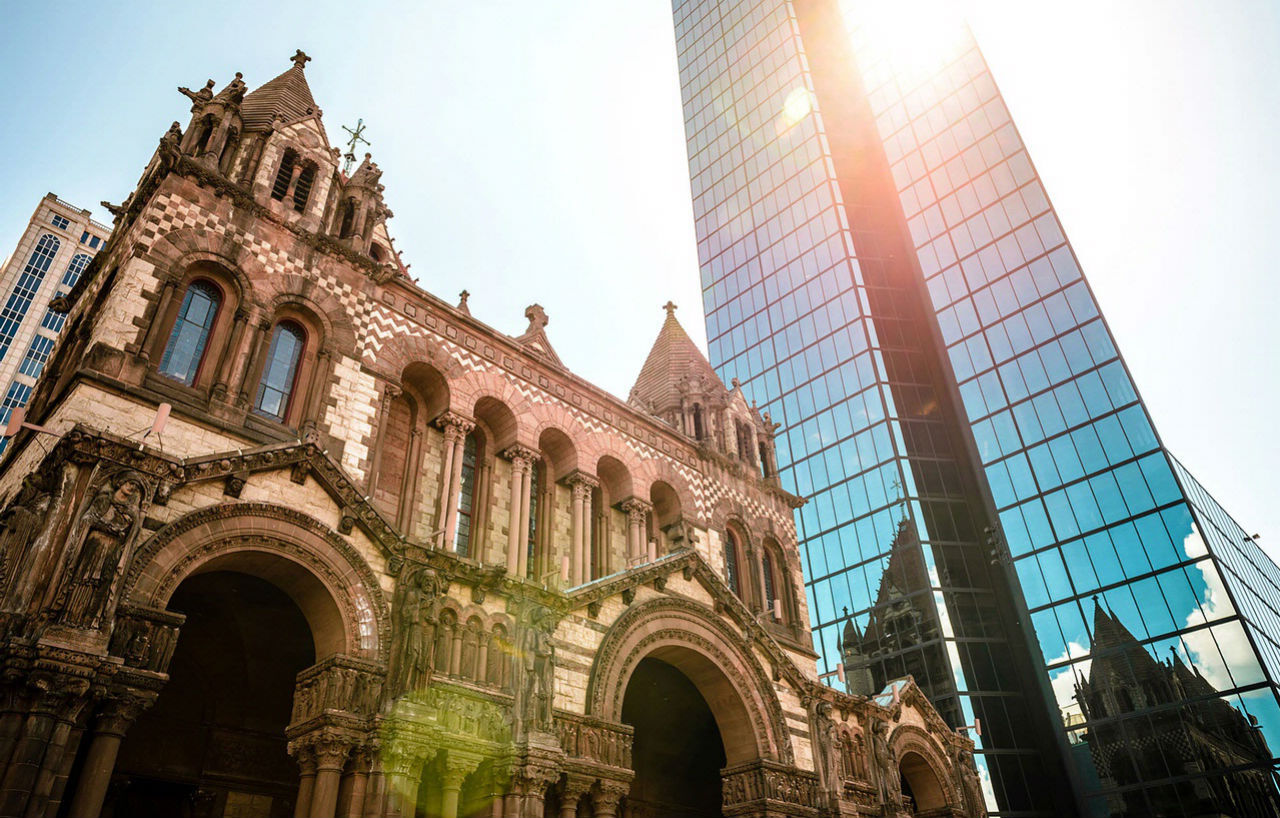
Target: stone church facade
{"points": [[384, 560]]}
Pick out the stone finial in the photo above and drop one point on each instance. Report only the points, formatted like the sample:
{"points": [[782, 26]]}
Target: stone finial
{"points": [[462, 302], [300, 59], [670, 307], [537, 317]]}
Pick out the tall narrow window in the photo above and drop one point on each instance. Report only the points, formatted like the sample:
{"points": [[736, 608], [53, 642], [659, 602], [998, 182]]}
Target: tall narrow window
{"points": [[697, 422], [348, 219], [302, 190], [190, 335], [466, 498], [731, 572], [285, 174], [205, 134], [766, 568], [280, 371], [15, 309], [534, 492]]}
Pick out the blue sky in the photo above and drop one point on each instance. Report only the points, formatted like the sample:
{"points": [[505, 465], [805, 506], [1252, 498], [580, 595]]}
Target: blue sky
{"points": [[534, 152]]}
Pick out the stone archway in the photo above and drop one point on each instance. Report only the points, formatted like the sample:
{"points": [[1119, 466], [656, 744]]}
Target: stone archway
{"points": [[678, 752], [329, 581], [688, 637], [214, 742], [922, 772]]}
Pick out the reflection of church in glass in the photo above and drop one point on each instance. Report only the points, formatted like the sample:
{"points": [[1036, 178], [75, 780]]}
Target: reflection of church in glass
{"points": [[1186, 728], [903, 636]]}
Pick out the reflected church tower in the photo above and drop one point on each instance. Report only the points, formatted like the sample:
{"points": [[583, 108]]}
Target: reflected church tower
{"points": [[903, 634], [1184, 722]]}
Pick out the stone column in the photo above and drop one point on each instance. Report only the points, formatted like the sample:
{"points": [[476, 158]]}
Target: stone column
{"points": [[637, 515], [518, 535], [455, 429], [456, 769], [399, 783], [331, 757], [116, 717], [581, 485], [526, 489], [306, 782], [293, 180], [259, 339], [574, 789], [230, 361], [606, 796], [409, 490], [162, 307]]}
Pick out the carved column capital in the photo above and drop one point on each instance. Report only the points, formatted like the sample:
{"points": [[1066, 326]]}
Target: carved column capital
{"points": [[581, 483], [635, 508], [607, 794], [454, 425], [121, 710], [391, 391], [521, 456], [457, 767], [331, 752]]}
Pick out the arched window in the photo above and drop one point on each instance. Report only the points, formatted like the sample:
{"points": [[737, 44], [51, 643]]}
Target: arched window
{"points": [[229, 150], [347, 225], [766, 568], [466, 498], [302, 190], [697, 422], [732, 574], [189, 337], [15, 309], [377, 253], [285, 174], [280, 372]]}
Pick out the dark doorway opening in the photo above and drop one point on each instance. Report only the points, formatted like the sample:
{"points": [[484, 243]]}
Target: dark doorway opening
{"points": [[678, 752], [214, 742]]}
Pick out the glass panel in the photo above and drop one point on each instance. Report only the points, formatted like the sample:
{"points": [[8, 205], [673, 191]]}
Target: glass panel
{"points": [[280, 371], [185, 350]]}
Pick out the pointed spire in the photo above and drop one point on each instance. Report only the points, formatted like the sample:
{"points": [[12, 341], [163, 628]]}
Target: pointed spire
{"points": [[673, 358], [287, 97]]}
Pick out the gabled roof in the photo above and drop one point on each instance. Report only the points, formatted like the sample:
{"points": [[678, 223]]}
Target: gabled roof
{"points": [[535, 337], [288, 96], [673, 359]]}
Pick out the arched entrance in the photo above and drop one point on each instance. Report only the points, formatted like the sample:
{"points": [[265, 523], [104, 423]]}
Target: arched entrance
{"points": [[921, 784], [678, 751], [214, 742]]}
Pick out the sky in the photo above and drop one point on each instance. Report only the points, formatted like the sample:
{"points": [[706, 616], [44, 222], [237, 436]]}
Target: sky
{"points": [[534, 152]]}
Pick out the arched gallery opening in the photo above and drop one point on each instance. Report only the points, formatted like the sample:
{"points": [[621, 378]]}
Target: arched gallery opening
{"points": [[678, 751], [920, 783], [214, 742]]}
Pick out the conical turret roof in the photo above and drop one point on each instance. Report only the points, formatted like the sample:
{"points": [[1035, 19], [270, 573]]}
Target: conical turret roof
{"points": [[287, 96], [673, 359]]}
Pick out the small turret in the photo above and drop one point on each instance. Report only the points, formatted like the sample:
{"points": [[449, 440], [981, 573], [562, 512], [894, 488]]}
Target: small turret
{"points": [[360, 207], [214, 132]]}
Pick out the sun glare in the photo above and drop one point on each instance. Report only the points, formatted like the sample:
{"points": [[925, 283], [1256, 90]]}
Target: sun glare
{"points": [[912, 36]]}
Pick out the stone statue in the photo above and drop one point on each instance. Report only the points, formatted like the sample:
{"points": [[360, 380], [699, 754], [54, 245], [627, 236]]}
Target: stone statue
{"points": [[970, 785], [107, 526], [884, 767], [535, 693], [826, 750], [200, 97], [22, 557], [415, 630]]}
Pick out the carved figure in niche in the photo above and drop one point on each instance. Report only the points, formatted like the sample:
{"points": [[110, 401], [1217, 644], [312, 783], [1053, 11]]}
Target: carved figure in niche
{"points": [[22, 557], [884, 766], [972, 787], [827, 748], [537, 656], [106, 527], [415, 630]]}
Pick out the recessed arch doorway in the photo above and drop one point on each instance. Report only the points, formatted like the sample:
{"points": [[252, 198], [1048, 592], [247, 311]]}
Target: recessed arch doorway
{"points": [[214, 742], [678, 751]]}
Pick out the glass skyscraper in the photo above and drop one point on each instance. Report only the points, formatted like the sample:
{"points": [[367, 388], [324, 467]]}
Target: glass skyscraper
{"points": [[990, 508]]}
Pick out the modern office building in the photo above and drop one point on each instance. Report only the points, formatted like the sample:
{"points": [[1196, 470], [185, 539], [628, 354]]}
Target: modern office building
{"points": [[53, 252], [990, 507]]}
